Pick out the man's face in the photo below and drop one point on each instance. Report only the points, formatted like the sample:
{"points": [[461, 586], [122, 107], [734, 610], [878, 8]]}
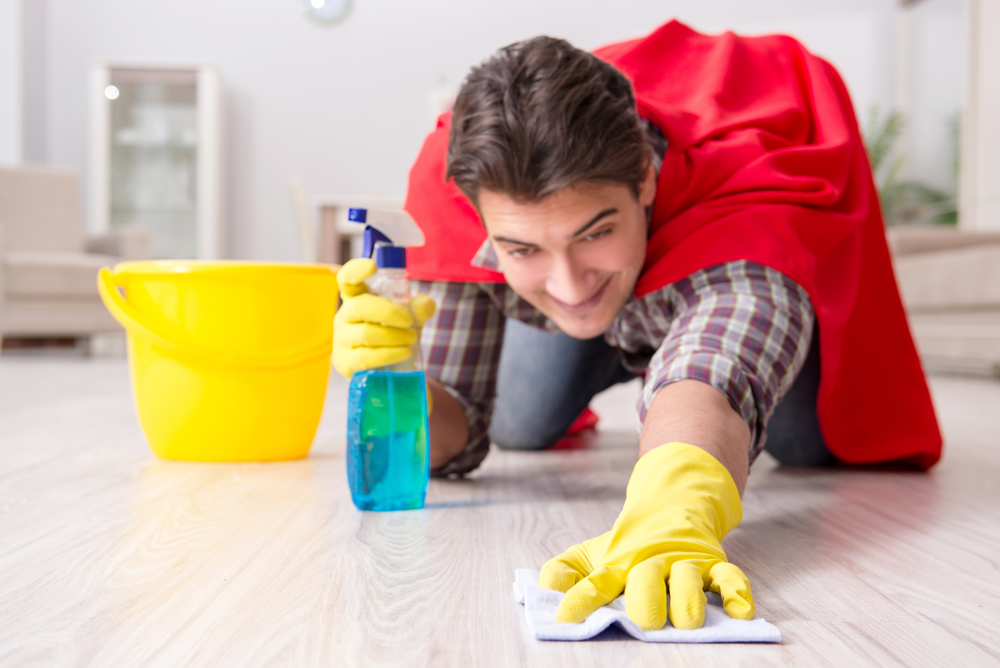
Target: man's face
{"points": [[577, 254]]}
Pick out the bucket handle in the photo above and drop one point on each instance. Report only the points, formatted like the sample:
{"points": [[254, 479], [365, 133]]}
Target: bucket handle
{"points": [[135, 323]]}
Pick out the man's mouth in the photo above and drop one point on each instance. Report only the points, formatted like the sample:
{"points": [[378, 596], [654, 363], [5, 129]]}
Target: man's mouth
{"points": [[586, 305]]}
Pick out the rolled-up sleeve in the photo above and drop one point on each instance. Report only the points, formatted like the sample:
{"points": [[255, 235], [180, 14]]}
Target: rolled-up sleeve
{"points": [[740, 327], [461, 350]]}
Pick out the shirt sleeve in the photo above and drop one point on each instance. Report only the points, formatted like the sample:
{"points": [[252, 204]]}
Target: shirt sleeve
{"points": [[461, 346], [742, 328]]}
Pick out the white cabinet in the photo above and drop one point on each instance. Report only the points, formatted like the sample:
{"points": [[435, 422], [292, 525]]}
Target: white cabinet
{"points": [[156, 155]]}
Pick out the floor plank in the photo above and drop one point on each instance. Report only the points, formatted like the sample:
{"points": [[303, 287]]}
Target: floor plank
{"points": [[109, 556]]}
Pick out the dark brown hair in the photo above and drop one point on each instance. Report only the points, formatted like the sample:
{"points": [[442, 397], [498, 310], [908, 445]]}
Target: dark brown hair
{"points": [[541, 115]]}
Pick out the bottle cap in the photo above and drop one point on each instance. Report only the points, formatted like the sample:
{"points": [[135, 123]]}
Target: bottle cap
{"points": [[390, 257], [357, 215]]}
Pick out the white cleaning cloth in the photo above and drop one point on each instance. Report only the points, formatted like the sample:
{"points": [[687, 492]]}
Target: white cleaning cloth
{"points": [[540, 610]]}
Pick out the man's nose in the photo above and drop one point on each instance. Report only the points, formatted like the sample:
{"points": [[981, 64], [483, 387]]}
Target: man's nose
{"points": [[570, 283]]}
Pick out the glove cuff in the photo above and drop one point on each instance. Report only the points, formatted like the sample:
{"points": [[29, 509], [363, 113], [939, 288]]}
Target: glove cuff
{"points": [[687, 472]]}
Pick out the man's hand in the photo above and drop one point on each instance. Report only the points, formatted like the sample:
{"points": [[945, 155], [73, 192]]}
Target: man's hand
{"points": [[370, 331], [680, 504]]}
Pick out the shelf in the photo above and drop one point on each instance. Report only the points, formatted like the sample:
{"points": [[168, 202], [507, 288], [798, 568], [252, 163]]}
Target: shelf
{"points": [[186, 147], [133, 210]]}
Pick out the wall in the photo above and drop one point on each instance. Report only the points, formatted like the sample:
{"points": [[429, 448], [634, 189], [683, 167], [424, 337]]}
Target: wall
{"points": [[10, 82], [980, 186], [929, 90], [35, 51], [346, 107]]}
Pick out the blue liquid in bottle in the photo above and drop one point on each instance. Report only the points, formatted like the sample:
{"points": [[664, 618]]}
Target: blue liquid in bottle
{"points": [[388, 451]]}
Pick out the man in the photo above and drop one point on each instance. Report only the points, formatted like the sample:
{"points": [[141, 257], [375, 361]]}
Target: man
{"points": [[695, 209]]}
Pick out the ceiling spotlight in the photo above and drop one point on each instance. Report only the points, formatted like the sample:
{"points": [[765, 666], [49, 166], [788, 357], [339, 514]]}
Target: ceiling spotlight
{"points": [[326, 12]]}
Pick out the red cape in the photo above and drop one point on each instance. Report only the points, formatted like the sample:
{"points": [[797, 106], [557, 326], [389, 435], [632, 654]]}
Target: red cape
{"points": [[765, 163]]}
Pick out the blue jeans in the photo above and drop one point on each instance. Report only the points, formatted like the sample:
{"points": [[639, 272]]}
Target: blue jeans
{"points": [[546, 380]]}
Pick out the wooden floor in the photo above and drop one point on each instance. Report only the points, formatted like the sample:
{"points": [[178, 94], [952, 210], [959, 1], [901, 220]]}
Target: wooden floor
{"points": [[109, 557]]}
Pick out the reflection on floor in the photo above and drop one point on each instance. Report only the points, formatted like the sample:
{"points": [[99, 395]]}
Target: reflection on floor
{"points": [[109, 557]]}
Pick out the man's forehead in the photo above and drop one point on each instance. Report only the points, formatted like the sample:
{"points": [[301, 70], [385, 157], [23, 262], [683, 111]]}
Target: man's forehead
{"points": [[574, 208]]}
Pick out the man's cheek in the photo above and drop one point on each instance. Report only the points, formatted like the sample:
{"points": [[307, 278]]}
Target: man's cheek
{"points": [[623, 255], [523, 280]]}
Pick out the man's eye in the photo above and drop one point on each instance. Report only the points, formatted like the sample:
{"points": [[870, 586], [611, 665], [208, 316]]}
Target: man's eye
{"points": [[521, 252], [598, 235]]}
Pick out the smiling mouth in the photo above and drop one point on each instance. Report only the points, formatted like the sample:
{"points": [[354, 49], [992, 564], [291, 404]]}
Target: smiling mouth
{"points": [[586, 305]]}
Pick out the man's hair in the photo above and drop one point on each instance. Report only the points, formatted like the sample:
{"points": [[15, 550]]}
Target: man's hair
{"points": [[541, 115]]}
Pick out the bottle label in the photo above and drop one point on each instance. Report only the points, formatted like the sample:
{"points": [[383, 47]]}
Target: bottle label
{"points": [[388, 440]]}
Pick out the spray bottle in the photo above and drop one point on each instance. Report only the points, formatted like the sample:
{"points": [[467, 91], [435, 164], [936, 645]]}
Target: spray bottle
{"points": [[388, 437]]}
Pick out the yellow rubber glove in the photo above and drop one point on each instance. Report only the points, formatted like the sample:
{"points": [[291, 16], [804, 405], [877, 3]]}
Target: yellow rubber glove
{"points": [[680, 504], [370, 331]]}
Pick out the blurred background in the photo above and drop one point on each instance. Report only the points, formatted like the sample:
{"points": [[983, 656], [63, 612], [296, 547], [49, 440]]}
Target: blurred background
{"points": [[241, 128], [346, 105]]}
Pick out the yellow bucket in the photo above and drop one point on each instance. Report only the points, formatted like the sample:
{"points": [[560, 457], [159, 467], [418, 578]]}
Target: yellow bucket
{"points": [[229, 360]]}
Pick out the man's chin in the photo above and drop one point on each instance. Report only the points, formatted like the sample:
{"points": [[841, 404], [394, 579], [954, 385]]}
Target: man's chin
{"points": [[588, 325], [581, 328]]}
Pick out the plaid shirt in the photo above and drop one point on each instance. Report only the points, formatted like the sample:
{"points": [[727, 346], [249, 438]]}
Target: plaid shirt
{"points": [[741, 327]]}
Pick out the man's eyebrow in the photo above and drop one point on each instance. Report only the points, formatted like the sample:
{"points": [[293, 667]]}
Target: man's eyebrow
{"points": [[596, 219], [514, 241]]}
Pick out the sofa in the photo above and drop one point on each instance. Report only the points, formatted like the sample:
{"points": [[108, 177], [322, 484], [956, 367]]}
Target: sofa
{"points": [[48, 266], [950, 284]]}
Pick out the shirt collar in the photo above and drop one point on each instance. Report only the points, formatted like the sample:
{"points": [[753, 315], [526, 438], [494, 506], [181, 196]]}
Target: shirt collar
{"points": [[486, 257]]}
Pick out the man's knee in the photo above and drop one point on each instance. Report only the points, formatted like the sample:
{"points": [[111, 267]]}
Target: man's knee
{"points": [[794, 437], [799, 449], [513, 434]]}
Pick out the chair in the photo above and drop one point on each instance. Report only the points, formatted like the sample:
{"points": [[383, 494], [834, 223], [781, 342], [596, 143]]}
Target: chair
{"points": [[48, 268]]}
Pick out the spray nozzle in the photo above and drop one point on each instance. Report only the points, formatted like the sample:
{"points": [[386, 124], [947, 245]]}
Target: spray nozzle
{"points": [[377, 244], [372, 239]]}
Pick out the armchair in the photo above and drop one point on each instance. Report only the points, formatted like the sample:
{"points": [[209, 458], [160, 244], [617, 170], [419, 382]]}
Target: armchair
{"points": [[950, 284], [48, 268]]}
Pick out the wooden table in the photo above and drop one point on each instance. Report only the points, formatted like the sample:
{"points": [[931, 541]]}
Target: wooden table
{"points": [[110, 557]]}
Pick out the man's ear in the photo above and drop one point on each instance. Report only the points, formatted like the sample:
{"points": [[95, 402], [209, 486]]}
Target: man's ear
{"points": [[647, 187]]}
